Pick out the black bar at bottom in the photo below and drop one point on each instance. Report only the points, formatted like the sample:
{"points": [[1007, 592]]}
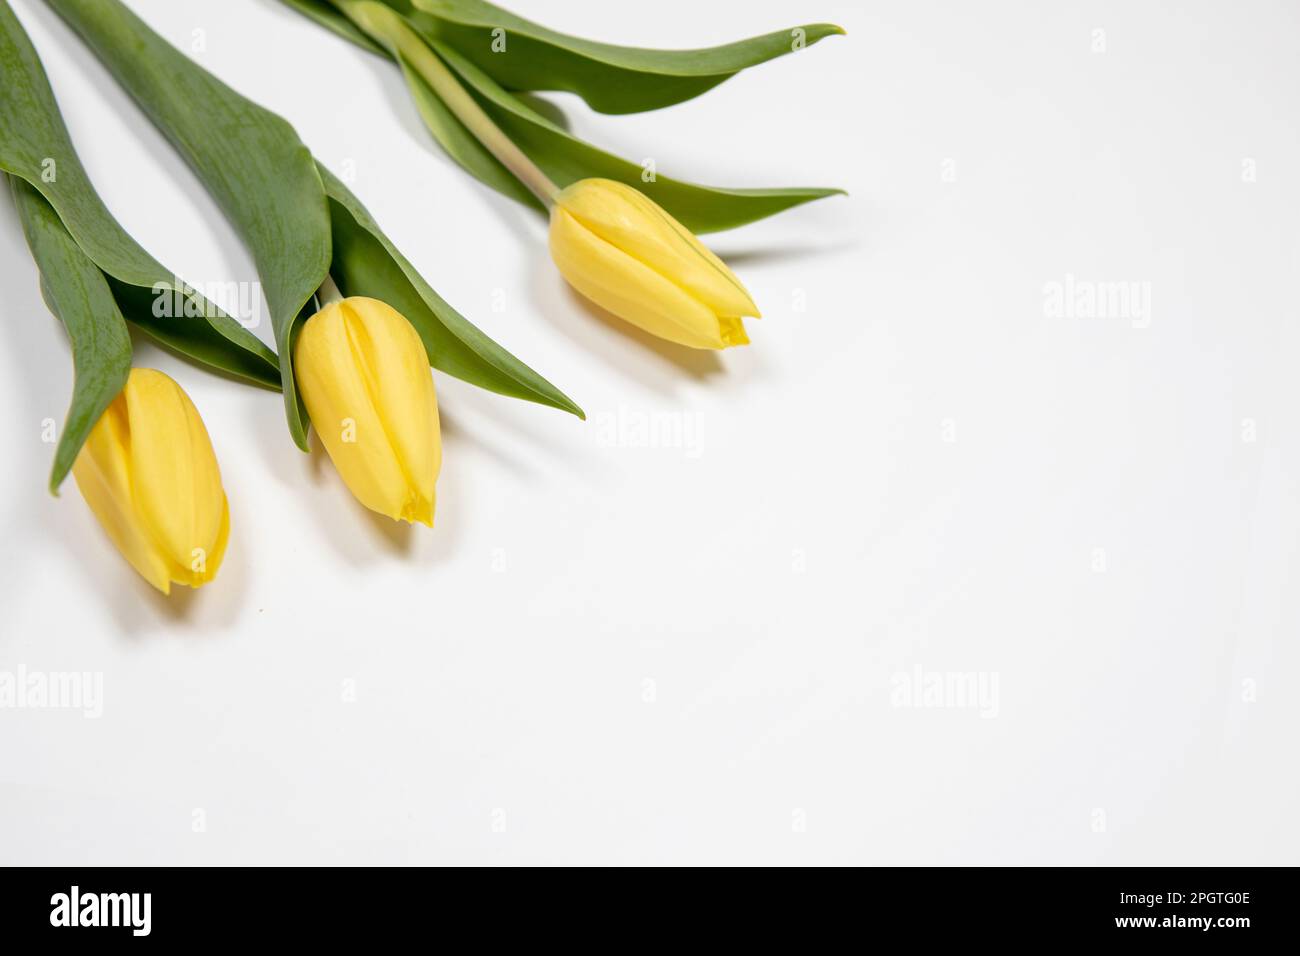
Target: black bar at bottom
{"points": [[335, 906]]}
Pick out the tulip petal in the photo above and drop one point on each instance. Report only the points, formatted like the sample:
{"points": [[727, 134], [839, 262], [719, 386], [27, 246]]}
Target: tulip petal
{"points": [[631, 221], [395, 366], [175, 480], [630, 289], [218, 553], [102, 473], [364, 377], [341, 408], [733, 331]]}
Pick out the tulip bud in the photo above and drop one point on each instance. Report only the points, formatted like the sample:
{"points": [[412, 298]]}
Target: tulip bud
{"points": [[364, 376], [625, 253], [150, 476]]}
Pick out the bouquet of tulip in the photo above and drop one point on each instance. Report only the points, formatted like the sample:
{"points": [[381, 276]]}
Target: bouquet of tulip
{"points": [[621, 234], [356, 326]]}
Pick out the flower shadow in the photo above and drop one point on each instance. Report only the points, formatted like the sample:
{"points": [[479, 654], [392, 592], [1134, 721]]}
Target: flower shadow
{"points": [[608, 337]]}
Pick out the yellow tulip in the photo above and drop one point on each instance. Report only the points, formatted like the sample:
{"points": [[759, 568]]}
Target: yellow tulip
{"points": [[625, 253], [150, 476], [364, 376]]}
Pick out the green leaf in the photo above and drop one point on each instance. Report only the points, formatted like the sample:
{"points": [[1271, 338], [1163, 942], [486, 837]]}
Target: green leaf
{"points": [[366, 263], [76, 291], [266, 180], [566, 159], [328, 17], [612, 79], [35, 147], [250, 159], [460, 144]]}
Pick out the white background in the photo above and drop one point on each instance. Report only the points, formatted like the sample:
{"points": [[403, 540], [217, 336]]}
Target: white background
{"points": [[608, 653]]}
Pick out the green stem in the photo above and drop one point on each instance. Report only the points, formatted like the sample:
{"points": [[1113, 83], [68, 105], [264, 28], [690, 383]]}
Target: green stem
{"points": [[390, 29], [328, 292]]}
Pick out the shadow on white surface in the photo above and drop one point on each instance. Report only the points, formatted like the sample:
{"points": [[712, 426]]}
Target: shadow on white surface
{"points": [[137, 609], [760, 256], [619, 344], [356, 533]]}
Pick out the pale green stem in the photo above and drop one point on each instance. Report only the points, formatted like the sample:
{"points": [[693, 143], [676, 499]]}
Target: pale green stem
{"points": [[387, 27], [328, 292]]}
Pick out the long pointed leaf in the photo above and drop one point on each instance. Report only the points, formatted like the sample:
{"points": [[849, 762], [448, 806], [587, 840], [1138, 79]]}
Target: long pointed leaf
{"points": [[264, 177], [563, 156], [522, 55], [367, 263], [75, 290], [566, 159], [35, 146], [250, 159]]}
